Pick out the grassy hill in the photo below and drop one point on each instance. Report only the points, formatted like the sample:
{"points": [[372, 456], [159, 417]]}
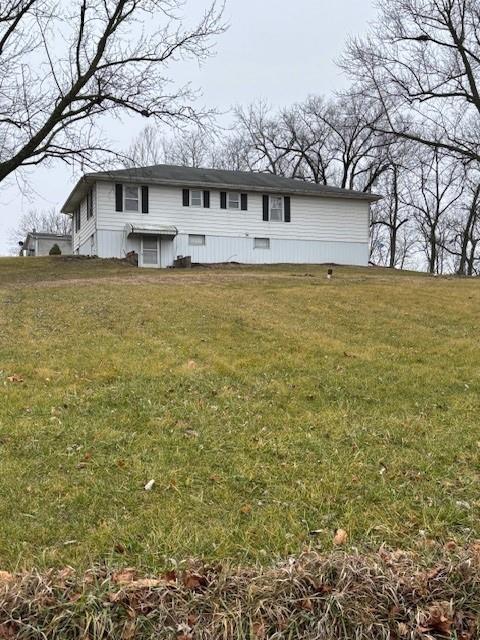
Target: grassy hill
{"points": [[264, 402]]}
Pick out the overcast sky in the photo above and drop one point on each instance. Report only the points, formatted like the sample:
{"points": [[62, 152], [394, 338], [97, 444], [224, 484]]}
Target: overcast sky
{"points": [[276, 50]]}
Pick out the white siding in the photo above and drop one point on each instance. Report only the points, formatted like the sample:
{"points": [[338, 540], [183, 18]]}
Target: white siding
{"points": [[334, 219], [81, 240], [227, 249], [321, 229]]}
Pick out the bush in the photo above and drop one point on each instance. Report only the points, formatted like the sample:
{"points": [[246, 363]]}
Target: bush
{"points": [[55, 250]]}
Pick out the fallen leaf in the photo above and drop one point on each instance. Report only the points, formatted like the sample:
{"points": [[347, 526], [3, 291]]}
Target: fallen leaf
{"points": [[192, 620], [258, 629], [5, 576], [439, 620], [15, 378], [246, 509], [119, 548], [170, 576], [191, 364], [402, 630], [341, 537], [306, 604], [145, 583], [124, 576], [194, 581]]}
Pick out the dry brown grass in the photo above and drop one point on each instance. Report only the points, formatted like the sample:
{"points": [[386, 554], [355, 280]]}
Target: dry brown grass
{"points": [[386, 595]]}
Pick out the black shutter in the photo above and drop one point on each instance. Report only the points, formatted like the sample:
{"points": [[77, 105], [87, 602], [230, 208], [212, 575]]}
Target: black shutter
{"points": [[206, 199], [144, 199], [186, 197], [90, 203], [244, 201], [286, 207], [223, 199], [119, 197], [265, 208]]}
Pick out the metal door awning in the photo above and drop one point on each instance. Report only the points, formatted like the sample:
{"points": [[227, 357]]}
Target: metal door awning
{"points": [[159, 230]]}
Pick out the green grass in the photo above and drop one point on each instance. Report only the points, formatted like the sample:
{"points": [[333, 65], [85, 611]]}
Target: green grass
{"points": [[265, 402]]}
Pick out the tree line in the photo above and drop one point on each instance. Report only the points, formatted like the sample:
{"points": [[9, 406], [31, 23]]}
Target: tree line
{"points": [[408, 127]]}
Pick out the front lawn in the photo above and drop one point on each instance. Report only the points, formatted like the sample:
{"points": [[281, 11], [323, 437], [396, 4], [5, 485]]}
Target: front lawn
{"points": [[264, 402]]}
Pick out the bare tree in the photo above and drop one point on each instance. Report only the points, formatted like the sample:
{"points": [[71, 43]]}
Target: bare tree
{"points": [[434, 191], [422, 63], [64, 65], [269, 141], [391, 215], [146, 150], [463, 234], [361, 154]]}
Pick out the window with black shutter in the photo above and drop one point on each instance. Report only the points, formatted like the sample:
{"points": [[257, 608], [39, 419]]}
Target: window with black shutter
{"points": [[90, 204], [119, 197], [145, 203], [265, 208], [286, 208]]}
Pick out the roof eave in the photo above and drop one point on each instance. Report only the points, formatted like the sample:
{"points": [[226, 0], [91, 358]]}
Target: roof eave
{"points": [[347, 194]]}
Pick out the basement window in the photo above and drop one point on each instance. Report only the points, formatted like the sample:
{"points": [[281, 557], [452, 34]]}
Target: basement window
{"points": [[131, 199], [261, 243], [196, 240]]}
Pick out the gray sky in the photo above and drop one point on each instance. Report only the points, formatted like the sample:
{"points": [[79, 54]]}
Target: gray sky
{"points": [[277, 50]]}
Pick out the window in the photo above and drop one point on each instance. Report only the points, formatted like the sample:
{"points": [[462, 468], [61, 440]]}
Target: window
{"points": [[234, 201], [90, 204], [276, 208], [131, 198], [261, 243], [196, 240], [76, 217], [195, 198]]}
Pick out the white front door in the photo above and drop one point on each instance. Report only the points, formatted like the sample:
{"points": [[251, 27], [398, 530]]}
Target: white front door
{"points": [[150, 251]]}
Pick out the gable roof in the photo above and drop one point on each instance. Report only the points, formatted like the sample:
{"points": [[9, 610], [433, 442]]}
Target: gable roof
{"points": [[172, 175]]}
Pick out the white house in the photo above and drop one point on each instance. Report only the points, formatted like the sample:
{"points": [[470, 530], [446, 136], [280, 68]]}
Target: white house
{"points": [[165, 212]]}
